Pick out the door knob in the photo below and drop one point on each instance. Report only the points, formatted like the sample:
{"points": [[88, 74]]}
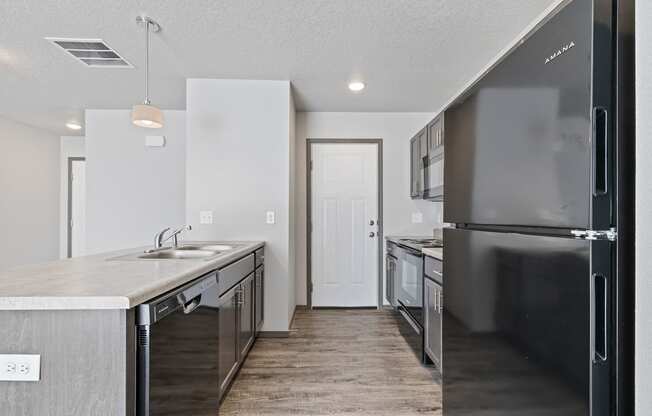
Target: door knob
{"points": [[371, 222], [372, 234]]}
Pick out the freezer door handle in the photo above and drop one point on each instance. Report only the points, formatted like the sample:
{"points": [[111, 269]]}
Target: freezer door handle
{"points": [[601, 151], [600, 317]]}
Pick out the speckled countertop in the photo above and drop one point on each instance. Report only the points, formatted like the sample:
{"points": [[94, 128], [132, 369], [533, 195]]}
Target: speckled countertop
{"points": [[396, 238], [105, 281], [436, 252]]}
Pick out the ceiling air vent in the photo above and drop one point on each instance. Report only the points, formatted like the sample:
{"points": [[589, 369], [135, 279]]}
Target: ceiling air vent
{"points": [[94, 53]]}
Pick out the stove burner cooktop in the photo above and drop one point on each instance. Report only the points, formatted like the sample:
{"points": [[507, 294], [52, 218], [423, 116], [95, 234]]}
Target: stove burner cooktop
{"points": [[422, 242]]}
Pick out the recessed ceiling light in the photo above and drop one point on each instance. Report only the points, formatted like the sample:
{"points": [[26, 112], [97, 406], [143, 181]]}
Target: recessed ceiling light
{"points": [[356, 86], [73, 125]]}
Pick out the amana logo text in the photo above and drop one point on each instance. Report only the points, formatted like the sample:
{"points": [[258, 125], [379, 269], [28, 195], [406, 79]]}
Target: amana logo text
{"points": [[560, 52]]}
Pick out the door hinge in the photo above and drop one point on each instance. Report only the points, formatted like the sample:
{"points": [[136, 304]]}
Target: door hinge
{"points": [[311, 165], [610, 234]]}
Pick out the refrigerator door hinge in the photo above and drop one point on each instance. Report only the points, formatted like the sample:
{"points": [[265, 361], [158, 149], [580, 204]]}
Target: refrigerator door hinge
{"points": [[610, 234]]}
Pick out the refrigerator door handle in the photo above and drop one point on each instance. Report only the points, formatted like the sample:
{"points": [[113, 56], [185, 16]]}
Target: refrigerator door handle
{"points": [[599, 318], [601, 151]]}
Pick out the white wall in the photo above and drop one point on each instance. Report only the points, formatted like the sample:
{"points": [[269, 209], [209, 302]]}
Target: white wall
{"points": [[395, 129], [292, 301], [132, 191], [238, 166], [643, 326], [71, 146], [29, 194]]}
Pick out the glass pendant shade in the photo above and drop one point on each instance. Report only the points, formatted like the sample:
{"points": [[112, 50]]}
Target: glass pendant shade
{"points": [[146, 115]]}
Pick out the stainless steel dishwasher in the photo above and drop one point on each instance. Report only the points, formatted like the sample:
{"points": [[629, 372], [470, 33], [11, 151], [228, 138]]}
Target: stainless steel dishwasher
{"points": [[177, 351]]}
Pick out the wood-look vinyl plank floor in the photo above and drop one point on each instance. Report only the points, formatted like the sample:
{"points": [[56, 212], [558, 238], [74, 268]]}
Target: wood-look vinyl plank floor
{"points": [[336, 362]]}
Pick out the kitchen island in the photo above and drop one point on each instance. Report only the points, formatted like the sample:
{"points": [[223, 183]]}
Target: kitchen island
{"points": [[79, 315]]}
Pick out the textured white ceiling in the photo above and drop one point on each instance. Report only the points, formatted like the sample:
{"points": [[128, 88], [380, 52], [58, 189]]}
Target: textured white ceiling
{"points": [[413, 54]]}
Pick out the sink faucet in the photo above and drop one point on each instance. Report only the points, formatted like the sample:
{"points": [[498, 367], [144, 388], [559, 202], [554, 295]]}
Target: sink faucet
{"points": [[159, 238]]}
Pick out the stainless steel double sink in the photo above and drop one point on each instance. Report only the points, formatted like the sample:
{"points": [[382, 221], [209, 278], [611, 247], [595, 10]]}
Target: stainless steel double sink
{"points": [[184, 252]]}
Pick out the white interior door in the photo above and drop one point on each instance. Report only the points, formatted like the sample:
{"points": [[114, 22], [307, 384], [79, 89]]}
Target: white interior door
{"points": [[78, 208], [344, 254]]}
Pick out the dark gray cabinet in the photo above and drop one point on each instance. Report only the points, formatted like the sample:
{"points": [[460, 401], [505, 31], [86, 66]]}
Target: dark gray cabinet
{"points": [[427, 161], [433, 305], [433, 296], [390, 279], [228, 337], [246, 321], [433, 161], [418, 151], [239, 304], [259, 306], [416, 164]]}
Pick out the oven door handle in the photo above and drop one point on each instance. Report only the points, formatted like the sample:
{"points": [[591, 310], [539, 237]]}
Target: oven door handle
{"points": [[409, 319], [189, 307]]}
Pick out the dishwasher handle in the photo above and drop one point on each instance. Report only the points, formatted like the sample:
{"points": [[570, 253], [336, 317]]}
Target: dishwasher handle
{"points": [[187, 298], [189, 307]]}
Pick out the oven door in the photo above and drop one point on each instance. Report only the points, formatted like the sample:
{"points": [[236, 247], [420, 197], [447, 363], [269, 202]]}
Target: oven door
{"points": [[410, 284], [411, 331]]}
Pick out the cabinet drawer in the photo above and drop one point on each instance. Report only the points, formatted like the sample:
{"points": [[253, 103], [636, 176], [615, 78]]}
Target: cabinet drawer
{"points": [[232, 274], [433, 269], [260, 257]]}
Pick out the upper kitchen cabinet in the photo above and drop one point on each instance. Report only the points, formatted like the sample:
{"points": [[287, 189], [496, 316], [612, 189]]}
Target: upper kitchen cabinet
{"points": [[418, 149], [427, 161], [433, 162]]}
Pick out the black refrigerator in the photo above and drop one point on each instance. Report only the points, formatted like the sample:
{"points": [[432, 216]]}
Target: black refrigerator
{"points": [[537, 266]]}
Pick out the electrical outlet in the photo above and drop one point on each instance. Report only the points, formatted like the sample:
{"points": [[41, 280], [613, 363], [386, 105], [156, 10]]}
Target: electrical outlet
{"points": [[10, 368], [205, 217], [23, 369], [417, 218], [20, 367], [271, 217]]}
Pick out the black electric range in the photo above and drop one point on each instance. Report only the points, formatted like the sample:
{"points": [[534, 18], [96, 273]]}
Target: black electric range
{"points": [[405, 285]]}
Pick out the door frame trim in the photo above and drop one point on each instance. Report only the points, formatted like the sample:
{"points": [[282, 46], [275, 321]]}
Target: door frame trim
{"points": [[380, 220], [69, 204]]}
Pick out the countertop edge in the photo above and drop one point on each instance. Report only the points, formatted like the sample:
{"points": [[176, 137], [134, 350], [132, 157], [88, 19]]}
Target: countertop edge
{"points": [[436, 252], [128, 300]]}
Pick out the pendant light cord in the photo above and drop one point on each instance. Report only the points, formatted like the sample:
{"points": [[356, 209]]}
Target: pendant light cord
{"points": [[147, 61]]}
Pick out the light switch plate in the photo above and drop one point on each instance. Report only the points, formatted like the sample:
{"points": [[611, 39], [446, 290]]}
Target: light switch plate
{"points": [[271, 217], [205, 217], [20, 367], [417, 218]]}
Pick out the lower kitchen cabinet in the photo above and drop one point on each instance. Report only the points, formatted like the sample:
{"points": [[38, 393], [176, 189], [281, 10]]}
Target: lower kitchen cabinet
{"points": [[241, 317], [433, 297], [246, 303], [391, 263], [259, 309], [228, 337]]}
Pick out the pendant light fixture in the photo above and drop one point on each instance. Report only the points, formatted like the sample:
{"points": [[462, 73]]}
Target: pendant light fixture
{"points": [[145, 114]]}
